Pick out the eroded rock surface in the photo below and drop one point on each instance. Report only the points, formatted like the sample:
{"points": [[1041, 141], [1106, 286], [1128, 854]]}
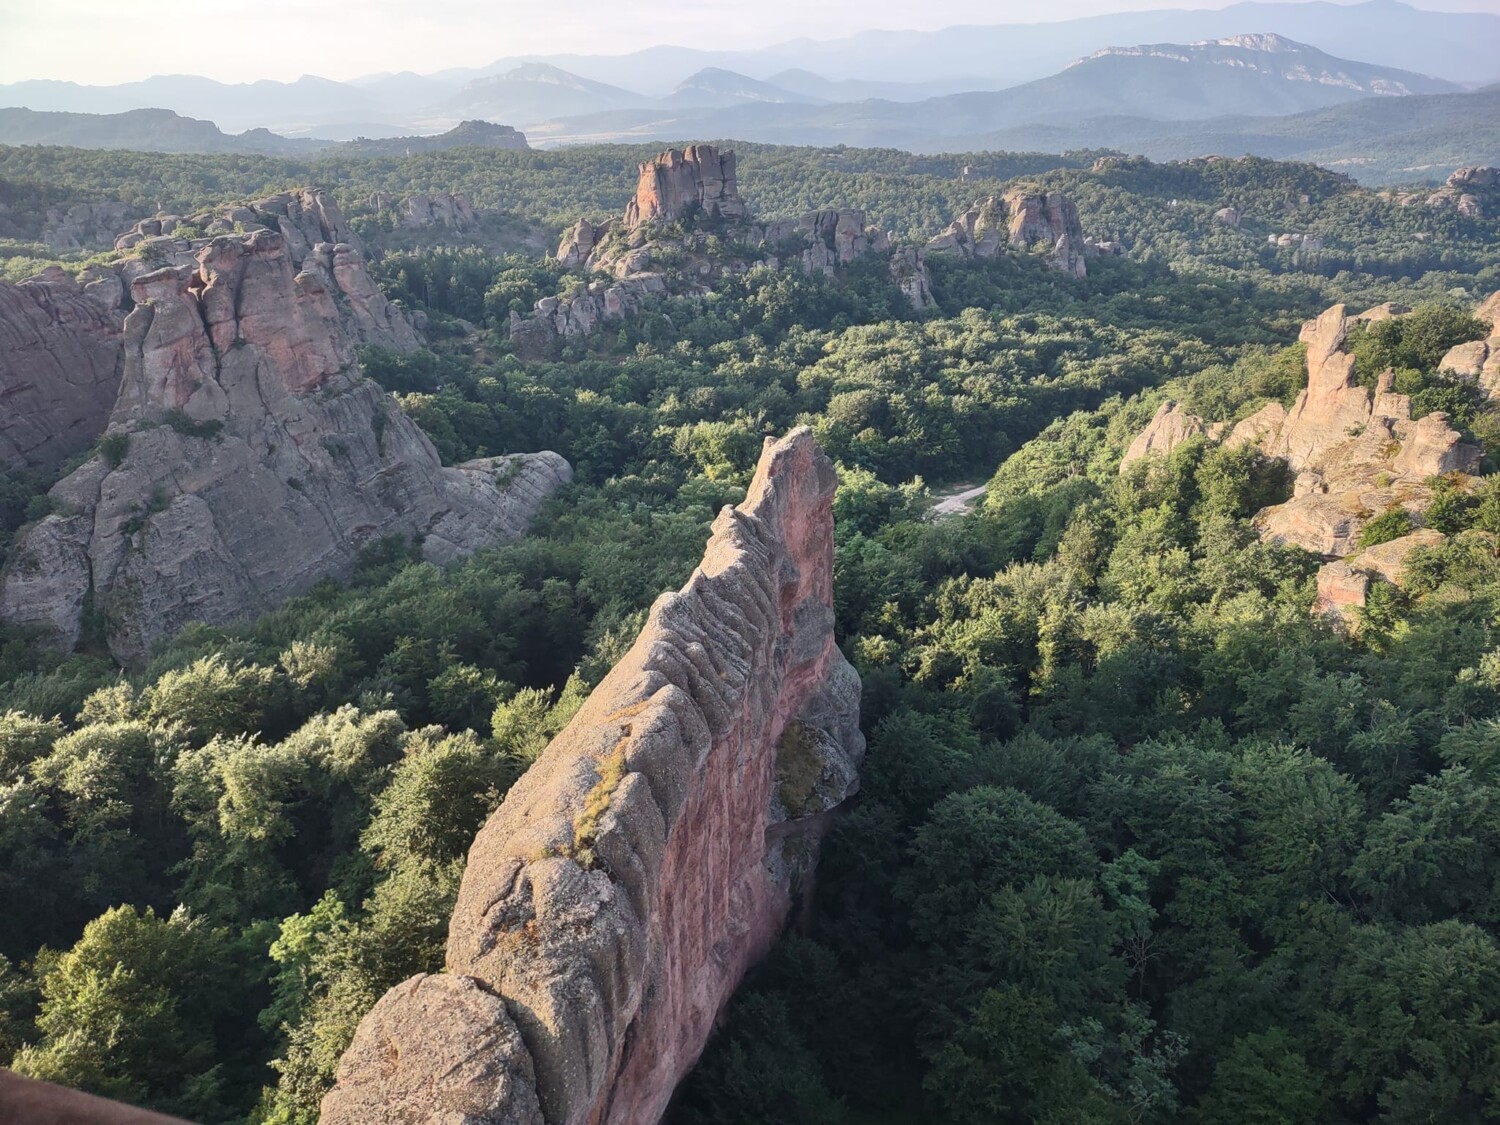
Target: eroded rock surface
{"points": [[649, 857], [1344, 584], [317, 240], [247, 458], [59, 369], [1170, 427]]}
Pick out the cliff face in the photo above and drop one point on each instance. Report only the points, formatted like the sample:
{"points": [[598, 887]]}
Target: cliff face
{"points": [[649, 857], [59, 369], [248, 458]]}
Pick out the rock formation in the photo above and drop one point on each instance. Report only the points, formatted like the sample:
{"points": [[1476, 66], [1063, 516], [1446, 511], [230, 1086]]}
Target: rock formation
{"points": [[1019, 220], [1344, 584], [83, 226], [1170, 427], [1479, 360], [246, 459], [427, 209], [649, 857], [1473, 192], [697, 185], [316, 237], [1355, 454], [698, 177], [59, 369]]}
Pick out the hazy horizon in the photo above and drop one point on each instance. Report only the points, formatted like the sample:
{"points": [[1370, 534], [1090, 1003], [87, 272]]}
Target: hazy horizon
{"points": [[94, 42]]}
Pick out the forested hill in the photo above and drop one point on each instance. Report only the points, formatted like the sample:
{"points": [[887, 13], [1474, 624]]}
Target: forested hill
{"points": [[1142, 838]]}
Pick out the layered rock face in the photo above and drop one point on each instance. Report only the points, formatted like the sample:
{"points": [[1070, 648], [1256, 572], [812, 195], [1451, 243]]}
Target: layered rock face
{"points": [[649, 857], [672, 183], [59, 369], [247, 458], [1019, 220], [1355, 454], [316, 237]]}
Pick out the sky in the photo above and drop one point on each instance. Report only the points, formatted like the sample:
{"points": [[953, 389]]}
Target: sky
{"points": [[100, 42]]}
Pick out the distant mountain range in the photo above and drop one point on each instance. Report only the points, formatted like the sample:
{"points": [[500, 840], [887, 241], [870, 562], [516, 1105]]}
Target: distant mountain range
{"points": [[892, 66], [161, 130], [1262, 94]]}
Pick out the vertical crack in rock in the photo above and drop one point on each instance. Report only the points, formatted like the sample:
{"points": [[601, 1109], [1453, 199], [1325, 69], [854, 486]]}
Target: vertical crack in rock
{"points": [[648, 858]]}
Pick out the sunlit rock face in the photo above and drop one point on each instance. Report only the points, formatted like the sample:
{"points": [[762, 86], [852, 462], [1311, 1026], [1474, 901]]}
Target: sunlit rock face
{"points": [[650, 856]]}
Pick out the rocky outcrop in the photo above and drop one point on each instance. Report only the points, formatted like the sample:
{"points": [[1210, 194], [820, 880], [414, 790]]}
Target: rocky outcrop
{"points": [[427, 209], [1344, 584], [59, 369], [85, 226], [1019, 220], [1229, 216], [697, 187], [1354, 454], [317, 239], [909, 272], [246, 459], [649, 857], [699, 177], [1170, 427], [1478, 361], [1473, 192]]}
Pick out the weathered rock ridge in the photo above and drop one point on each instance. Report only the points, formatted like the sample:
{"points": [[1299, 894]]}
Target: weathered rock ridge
{"points": [[1479, 360], [317, 238], [59, 369], [1355, 454], [649, 857], [1019, 220], [247, 458]]}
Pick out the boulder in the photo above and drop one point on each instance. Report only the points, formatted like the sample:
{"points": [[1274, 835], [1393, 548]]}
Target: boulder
{"points": [[248, 458], [651, 855]]}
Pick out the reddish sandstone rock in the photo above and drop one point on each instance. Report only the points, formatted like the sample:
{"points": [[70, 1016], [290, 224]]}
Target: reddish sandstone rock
{"points": [[698, 176], [650, 855]]}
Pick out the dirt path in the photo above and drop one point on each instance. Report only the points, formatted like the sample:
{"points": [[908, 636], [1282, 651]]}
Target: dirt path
{"points": [[956, 503]]}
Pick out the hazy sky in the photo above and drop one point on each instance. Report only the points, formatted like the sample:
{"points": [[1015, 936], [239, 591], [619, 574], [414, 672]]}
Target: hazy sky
{"points": [[107, 41]]}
